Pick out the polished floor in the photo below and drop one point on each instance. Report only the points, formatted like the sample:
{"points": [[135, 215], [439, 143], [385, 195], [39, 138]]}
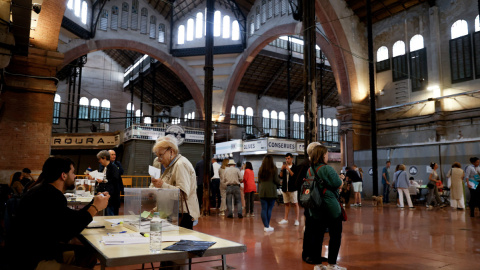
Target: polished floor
{"points": [[373, 238]]}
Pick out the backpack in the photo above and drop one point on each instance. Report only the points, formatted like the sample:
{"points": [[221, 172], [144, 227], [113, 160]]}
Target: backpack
{"points": [[311, 193]]}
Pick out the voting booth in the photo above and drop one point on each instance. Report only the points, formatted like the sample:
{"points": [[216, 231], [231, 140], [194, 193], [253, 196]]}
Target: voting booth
{"points": [[141, 203]]}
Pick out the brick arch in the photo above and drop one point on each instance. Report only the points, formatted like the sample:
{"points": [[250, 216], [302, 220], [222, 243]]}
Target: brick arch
{"points": [[342, 63], [160, 55]]}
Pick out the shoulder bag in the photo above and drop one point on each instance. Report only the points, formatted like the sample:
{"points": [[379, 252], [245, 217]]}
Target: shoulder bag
{"points": [[311, 192]]}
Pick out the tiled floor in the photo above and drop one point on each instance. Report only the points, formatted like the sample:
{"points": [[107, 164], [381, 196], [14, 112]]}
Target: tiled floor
{"points": [[373, 238]]}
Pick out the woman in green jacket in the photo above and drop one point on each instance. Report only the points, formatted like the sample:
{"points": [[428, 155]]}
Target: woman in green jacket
{"points": [[329, 215], [268, 180]]}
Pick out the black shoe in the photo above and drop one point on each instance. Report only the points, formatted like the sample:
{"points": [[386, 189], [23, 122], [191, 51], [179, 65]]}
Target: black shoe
{"points": [[230, 216], [310, 260], [240, 216]]}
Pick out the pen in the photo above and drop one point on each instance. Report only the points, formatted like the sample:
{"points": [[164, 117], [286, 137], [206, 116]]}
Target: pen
{"points": [[117, 232]]}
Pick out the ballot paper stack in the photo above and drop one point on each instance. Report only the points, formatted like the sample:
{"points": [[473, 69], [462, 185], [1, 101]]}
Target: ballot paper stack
{"points": [[141, 203]]}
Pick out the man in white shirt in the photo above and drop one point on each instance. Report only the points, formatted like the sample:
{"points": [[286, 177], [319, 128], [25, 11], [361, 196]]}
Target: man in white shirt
{"points": [[215, 185], [472, 173]]}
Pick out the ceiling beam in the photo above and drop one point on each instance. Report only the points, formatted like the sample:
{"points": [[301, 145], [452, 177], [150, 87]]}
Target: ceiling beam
{"points": [[273, 80]]}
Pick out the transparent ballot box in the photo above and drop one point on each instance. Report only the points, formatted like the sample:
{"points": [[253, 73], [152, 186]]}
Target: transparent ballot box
{"points": [[141, 203], [84, 187]]}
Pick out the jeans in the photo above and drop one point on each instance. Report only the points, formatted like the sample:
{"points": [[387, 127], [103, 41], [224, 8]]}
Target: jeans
{"points": [[386, 193], [233, 193], [313, 237], [267, 206], [431, 193], [215, 188], [249, 196], [111, 211]]}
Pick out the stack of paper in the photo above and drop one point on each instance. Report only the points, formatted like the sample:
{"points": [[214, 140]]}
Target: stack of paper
{"points": [[125, 239]]}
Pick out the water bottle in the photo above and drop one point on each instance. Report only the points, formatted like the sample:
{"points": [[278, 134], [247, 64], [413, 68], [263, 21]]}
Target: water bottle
{"points": [[155, 233]]}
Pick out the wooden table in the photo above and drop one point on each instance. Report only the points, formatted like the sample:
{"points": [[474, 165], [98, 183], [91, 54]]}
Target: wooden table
{"points": [[118, 255]]}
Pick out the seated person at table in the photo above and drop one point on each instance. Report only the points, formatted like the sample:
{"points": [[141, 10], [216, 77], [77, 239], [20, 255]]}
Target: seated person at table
{"points": [[44, 224]]}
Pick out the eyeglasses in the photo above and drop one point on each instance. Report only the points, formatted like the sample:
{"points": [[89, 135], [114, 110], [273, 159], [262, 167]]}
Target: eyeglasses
{"points": [[161, 155]]}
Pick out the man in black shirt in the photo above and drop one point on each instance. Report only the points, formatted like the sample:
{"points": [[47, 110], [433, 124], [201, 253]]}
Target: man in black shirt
{"points": [[44, 224]]}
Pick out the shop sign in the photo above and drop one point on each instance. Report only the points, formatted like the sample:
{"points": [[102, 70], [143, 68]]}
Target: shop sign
{"points": [[300, 147], [88, 140], [251, 146], [229, 147], [275, 145], [178, 132], [334, 156]]}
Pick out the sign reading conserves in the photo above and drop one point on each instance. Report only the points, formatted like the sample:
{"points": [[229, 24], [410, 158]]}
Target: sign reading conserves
{"points": [[281, 145], [87, 140]]}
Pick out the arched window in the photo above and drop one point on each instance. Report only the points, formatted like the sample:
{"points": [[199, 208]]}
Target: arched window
{"points": [[199, 25], [189, 116], [226, 26], [83, 109], [94, 110], [70, 4], [252, 25], [273, 122], [134, 23], [217, 21], [129, 114], [258, 18], [143, 21], [105, 113], [477, 24], [138, 116], [382, 54], [398, 48], [147, 121], [84, 12], [181, 34], [232, 113], [124, 22], [416, 43], [56, 109], [193, 115], [296, 126], [235, 30], [240, 115], [302, 126], [161, 33], [266, 121], [153, 26], [284, 7], [264, 11], [459, 29], [114, 21], [77, 10], [190, 29], [278, 7], [249, 121], [185, 118], [270, 9], [104, 20], [329, 130], [281, 124], [335, 130]]}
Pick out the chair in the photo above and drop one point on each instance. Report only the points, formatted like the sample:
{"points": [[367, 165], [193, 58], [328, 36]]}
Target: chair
{"points": [[127, 182]]}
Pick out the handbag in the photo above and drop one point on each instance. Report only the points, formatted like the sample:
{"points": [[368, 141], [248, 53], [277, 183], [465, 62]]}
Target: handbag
{"points": [[431, 184], [311, 191]]}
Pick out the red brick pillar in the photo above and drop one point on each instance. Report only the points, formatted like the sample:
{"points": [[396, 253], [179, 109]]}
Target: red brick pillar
{"points": [[26, 111]]}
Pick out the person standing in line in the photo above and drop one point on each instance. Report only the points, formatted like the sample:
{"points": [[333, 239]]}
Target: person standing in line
{"points": [[354, 177], [223, 187], [432, 186], [402, 184], [215, 185], [199, 173], [329, 215], [110, 183], [249, 189], [386, 182], [118, 164], [268, 181], [472, 173], [288, 175], [232, 180], [456, 175]]}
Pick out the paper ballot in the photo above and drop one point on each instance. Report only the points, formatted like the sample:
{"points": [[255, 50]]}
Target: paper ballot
{"points": [[154, 172], [96, 175]]}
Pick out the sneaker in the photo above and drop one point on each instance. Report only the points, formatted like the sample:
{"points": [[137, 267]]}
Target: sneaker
{"points": [[296, 223], [335, 267], [271, 229], [428, 206], [359, 205], [240, 216], [320, 267], [283, 221], [353, 205], [248, 215], [265, 229], [222, 213], [230, 216], [252, 214]]}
